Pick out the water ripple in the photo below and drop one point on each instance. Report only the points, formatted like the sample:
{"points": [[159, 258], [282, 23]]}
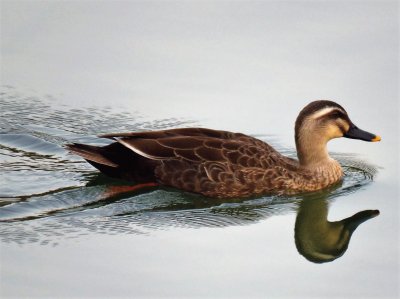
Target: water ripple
{"points": [[47, 195]]}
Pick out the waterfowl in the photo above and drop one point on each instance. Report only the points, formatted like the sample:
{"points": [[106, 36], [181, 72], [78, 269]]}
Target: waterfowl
{"points": [[224, 164]]}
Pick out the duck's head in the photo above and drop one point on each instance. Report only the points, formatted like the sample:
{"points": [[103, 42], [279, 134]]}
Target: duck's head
{"points": [[321, 121]]}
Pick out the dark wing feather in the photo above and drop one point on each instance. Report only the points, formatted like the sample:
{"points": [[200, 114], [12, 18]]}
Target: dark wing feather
{"points": [[91, 153], [201, 132], [116, 161], [149, 148], [185, 147]]}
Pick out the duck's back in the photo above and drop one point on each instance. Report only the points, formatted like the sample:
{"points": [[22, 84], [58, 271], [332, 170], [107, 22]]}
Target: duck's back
{"points": [[210, 162]]}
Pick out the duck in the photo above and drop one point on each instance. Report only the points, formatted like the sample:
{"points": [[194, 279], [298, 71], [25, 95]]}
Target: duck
{"points": [[223, 164], [320, 240]]}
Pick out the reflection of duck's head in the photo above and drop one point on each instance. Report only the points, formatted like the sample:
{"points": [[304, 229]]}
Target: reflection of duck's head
{"points": [[319, 240]]}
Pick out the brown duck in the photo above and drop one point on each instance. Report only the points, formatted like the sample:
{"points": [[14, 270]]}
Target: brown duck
{"points": [[224, 164]]}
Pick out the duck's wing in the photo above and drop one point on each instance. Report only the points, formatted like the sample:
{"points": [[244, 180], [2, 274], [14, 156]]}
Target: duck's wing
{"points": [[199, 132], [212, 166], [239, 150], [181, 133], [190, 144]]}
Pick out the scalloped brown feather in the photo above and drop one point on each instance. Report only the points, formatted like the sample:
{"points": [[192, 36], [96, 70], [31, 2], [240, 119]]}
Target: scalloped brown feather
{"points": [[213, 163]]}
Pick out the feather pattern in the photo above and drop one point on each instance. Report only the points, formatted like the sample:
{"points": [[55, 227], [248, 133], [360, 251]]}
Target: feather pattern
{"points": [[213, 163], [226, 164]]}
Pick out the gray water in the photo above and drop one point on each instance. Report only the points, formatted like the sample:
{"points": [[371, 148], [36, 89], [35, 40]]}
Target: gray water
{"points": [[71, 71]]}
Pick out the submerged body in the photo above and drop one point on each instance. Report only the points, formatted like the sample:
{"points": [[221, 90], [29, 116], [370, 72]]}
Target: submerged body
{"points": [[225, 164]]}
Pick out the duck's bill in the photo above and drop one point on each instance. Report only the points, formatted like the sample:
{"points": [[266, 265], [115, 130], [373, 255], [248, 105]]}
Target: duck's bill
{"points": [[354, 221], [356, 133]]}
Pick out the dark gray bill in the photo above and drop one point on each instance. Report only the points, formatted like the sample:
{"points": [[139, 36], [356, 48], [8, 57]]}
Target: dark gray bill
{"points": [[356, 133]]}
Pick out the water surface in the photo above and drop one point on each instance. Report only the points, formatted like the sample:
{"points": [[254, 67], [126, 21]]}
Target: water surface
{"points": [[43, 182], [72, 70], [52, 199]]}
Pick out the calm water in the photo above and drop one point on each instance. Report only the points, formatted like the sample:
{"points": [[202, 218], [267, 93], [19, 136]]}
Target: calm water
{"points": [[146, 66], [53, 205]]}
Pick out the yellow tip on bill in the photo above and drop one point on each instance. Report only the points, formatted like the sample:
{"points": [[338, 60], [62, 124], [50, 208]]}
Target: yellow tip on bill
{"points": [[376, 138]]}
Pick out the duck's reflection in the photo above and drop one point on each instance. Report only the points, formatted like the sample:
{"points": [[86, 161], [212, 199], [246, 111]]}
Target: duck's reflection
{"points": [[320, 240], [316, 238], [110, 209]]}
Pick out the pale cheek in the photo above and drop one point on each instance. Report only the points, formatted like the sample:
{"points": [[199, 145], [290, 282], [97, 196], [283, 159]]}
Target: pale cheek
{"points": [[334, 132]]}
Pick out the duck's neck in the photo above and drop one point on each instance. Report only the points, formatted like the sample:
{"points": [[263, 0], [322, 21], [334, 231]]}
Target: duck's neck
{"points": [[314, 159], [313, 153], [316, 238]]}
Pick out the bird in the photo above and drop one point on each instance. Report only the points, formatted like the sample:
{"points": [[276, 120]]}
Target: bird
{"points": [[222, 164]]}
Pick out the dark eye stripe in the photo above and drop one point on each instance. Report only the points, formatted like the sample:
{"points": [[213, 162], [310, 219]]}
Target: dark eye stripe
{"points": [[336, 114], [343, 129], [333, 115]]}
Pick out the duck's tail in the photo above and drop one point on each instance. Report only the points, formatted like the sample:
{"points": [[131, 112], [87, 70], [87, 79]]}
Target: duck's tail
{"points": [[117, 161], [90, 153]]}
